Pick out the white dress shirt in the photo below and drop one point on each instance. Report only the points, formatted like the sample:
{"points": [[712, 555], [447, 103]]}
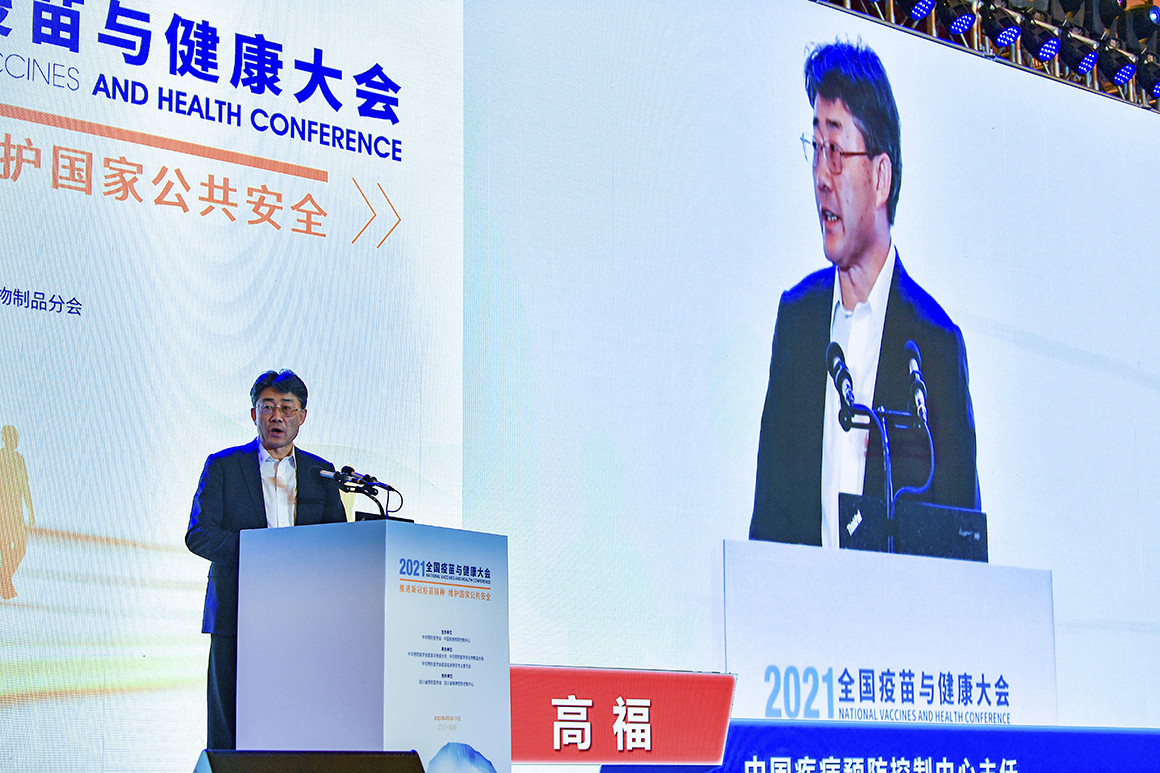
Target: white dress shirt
{"points": [[279, 487], [859, 333]]}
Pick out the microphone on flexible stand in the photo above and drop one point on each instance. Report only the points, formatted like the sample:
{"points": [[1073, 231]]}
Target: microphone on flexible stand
{"points": [[351, 481], [340, 477], [917, 385], [840, 374]]}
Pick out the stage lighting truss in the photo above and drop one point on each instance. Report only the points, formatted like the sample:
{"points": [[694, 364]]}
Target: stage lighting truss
{"points": [[1095, 44]]}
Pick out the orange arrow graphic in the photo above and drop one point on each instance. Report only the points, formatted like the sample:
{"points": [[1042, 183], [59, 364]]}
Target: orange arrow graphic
{"points": [[397, 218], [374, 214], [372, 209]]}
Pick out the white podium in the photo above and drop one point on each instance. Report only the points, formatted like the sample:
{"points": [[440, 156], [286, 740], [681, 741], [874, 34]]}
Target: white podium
{"points": [[373, 636], [847, 635]]}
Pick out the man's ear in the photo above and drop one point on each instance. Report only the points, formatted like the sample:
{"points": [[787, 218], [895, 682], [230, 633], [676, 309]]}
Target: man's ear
{"points": [[883, 179]]}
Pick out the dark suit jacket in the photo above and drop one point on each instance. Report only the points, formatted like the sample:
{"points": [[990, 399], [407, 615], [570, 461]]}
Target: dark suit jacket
{"points": [[229, 499], [787, 503]]}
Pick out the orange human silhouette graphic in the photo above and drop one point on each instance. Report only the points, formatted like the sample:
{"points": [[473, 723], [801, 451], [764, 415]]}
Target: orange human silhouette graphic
{"points": [[14, 495]]}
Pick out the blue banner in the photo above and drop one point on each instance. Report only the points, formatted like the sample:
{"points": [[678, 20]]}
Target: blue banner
{"points": [[822, 747], [762, 746]]}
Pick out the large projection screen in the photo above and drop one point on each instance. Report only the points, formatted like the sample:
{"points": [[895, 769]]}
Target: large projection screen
{"points": [[636, 200]]}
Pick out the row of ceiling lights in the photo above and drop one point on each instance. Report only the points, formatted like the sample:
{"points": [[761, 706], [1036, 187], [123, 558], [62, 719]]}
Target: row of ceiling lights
{"points": [[1117, 43]]}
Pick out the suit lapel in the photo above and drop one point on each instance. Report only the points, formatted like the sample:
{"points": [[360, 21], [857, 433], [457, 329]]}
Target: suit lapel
{"points": [[252, 475], [310, 501], [821, 318], [813, 354], [891, 345]]}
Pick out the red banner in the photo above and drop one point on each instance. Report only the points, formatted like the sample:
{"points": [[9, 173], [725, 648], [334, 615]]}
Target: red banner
{"points": [[598, 716]]}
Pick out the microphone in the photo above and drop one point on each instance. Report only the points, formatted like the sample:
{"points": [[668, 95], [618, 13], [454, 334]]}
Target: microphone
{"points": [[338, 476], [836, 365], [917, 385], [361, 479], [348, 477]]}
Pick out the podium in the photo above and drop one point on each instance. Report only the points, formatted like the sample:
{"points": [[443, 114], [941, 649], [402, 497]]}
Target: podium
{"points": [[815, 633], [374, 636]]}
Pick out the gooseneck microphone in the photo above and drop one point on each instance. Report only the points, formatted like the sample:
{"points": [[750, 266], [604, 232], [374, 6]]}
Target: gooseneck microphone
{"points": [[358, 483], [881, 419], [348, 476], [917, 385], [338, 476], [836, 365]]}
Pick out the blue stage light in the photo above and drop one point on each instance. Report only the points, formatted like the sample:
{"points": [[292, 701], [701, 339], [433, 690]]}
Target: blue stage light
{"points": [[956, 15], [1141, 22], [1041, 41], [1079, 57], [999, 26], [1148, 76], [917, 9], [1116, 66]]}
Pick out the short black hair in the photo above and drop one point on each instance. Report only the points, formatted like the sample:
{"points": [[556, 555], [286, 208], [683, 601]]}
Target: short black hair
{"points": [[854, 74], [285, 381]]}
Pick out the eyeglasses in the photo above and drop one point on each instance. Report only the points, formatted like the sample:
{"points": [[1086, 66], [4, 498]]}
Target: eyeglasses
{"points": [[835, 156], [268, 409]]}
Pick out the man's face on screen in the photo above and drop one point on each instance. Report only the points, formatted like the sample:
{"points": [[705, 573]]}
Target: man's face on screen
{"points": [[278, 415], [848, 200]]}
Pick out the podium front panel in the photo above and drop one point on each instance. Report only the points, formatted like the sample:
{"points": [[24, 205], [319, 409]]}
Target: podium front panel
{"points": [[310, 638], [374, 636], [448, 675], [848, 635]]}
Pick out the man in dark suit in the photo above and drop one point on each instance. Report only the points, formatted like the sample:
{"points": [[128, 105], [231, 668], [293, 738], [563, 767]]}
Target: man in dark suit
{"points": [[868, 303], [265, 483]]}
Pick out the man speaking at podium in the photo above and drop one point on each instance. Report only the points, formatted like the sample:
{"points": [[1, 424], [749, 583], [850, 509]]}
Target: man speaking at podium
{"points": [[265, 483], [870, 306]]}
